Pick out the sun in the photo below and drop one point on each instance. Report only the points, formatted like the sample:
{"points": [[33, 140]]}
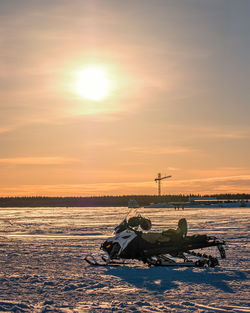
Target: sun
{"points": [[92, 83]]}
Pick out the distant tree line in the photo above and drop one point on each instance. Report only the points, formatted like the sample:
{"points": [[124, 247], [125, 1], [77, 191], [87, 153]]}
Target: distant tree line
{"points": [[104, 201]]}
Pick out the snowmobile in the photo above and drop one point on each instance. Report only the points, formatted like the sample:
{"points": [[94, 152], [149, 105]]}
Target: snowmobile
{"points": [[173, 247]]}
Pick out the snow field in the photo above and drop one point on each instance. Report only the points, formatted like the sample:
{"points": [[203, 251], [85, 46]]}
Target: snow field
{"points": [[42, 267]]}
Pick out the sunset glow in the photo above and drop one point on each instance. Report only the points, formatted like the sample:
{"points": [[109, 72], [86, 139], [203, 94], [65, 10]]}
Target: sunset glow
{"points": [[98, 97]]}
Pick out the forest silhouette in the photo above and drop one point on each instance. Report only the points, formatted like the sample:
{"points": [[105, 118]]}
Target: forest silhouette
{"points": [[106, 201]]}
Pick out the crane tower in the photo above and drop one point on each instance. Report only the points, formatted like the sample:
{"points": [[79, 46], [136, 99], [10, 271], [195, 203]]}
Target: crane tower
{"points": [[159, 179]]}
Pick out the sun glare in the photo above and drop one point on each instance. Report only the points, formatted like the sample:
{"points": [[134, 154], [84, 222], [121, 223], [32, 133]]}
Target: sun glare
{"points": [[92, 83]]}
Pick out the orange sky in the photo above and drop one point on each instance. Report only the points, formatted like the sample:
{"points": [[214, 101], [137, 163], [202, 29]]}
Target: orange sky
{"points": [[178, 101]]}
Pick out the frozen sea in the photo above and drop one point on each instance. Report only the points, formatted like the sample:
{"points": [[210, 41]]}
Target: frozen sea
{"points": [[42, 267]]}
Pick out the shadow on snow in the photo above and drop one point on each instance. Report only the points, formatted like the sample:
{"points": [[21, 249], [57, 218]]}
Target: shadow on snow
{"points": [[155, 279]]}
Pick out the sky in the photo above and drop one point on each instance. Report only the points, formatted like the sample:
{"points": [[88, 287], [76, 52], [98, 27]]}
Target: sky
{"points": [[177, 102]]}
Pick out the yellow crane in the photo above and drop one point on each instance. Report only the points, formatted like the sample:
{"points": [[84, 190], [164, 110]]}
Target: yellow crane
{"points": [[159, 179]]}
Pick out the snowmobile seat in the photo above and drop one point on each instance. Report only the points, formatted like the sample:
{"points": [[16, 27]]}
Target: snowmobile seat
{"points": [[155, 237], [167, 235]]}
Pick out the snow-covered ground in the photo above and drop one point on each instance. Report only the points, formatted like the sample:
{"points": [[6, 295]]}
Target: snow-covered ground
{"points": [[42, 267]]}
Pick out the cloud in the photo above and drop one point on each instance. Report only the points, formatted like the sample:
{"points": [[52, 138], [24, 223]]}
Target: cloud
{"points": [[216, 179], [95, 189], [153, 150], [228, 133], [209, 185], [38, 161], [210, 131], [5, 129], [227, 184]]}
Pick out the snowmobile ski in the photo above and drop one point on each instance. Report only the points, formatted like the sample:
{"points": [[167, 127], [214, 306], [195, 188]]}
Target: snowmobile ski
{"points": [[91, 260]]}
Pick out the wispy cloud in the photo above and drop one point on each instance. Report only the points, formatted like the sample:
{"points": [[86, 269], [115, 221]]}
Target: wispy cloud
{"points": [[38, 161], [93, 189], [220, 132], [223, 184], [211, 185], [159, 150], [5, 129], [230, 134], [215, 179], [213, 132]]}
